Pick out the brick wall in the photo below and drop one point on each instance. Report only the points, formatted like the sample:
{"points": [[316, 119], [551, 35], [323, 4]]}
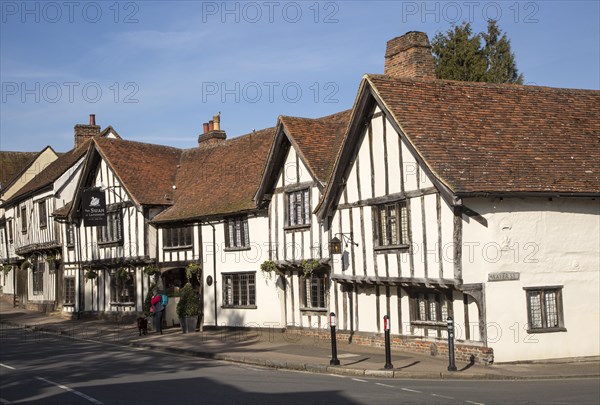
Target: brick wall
{"points": [[409, 56]]}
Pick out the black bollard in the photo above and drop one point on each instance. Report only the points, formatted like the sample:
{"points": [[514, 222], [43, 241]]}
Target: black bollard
{"points": [[334, 360], [452, 365], [388, 352]]}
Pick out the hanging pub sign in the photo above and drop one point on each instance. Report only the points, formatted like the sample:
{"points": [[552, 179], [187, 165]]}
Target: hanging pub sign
{"points": [[94, 207]]}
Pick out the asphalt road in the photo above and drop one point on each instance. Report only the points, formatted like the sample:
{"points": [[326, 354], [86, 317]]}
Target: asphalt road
{"points": [[48, 369]]}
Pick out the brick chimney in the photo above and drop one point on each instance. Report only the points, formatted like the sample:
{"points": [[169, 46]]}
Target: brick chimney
{"points": [[409, 56], [84, 132], [212, 134]]}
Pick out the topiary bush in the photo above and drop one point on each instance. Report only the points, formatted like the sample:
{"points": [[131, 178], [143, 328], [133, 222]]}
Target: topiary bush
{"points": [[188, 304]]}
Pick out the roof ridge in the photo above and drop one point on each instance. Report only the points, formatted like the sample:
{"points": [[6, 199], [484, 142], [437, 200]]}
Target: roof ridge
{"points": [[507, 86]]}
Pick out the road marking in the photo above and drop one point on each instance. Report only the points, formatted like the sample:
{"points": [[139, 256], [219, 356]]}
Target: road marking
{"points": [[337, 375], [474, 403], [409, 390], [441, 396], [4, 401], [358, 379], [9, 367], [64, 387], [385, 385]]}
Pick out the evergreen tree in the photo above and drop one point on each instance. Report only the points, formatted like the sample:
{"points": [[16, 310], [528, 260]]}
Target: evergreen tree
{"points": [[459, 55], [501, 65]]}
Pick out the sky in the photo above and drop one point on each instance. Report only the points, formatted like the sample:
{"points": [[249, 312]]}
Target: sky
{"points": [[157, 70]]}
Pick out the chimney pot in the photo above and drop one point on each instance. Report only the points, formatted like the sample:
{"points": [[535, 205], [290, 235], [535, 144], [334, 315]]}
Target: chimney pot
{"points": [[211, 125], [205, 127], [92, 119]]}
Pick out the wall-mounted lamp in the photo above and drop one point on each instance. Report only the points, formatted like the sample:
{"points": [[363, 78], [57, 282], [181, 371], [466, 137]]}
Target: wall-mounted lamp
{"points": [[335, 244]]}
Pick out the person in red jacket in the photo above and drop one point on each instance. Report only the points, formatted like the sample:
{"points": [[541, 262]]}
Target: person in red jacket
{"points": [[157, 309]]}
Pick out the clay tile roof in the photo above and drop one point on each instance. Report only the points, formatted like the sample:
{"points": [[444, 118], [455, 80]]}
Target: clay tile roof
{"points": [[481, 137], [52, 172], [12, 164], [318, 139], [219, 180], [147, 171], [63, 211]]}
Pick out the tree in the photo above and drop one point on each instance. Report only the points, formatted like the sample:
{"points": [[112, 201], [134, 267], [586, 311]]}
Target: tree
{"points": [[501, 64], [459, 55]]}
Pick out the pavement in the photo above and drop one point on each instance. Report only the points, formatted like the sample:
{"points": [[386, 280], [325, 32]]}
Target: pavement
{"points": [[288, 350]]}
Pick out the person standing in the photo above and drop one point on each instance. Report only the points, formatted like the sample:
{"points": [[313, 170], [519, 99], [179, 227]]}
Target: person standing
{"points": [[158, 311]]}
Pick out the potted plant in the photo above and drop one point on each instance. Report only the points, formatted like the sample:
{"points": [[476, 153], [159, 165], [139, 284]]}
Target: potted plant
{"points": [[188, 309]]}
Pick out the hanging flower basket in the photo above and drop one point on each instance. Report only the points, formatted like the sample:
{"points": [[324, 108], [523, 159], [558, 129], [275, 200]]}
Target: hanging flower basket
{"points": [[191, 270], [122, 273], [7, 268], [25, 265], [308, 266], [152, 270], [269, 267], [91, 274]]}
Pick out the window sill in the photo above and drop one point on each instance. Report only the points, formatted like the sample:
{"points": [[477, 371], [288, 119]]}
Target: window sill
{"points": [[122, 304], [239, 306], [70, 247], [43, 226], [546, 330], [173, 248], [314, 311], [296, 228], [237, 249], [110, 244], [69, 304], [385, 249], [429, 324]]}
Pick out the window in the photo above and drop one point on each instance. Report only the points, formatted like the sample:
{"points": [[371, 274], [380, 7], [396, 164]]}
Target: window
{"points": [[122, 286], [298, 208], [70, 235], [544, 309], [42, 214], [313, 290], [9, 225], [239, 290], [392, 224], [236, 232], [429, 307], [70, 290], [113, 231], [23, 219], [177, 237], [38, 277]]}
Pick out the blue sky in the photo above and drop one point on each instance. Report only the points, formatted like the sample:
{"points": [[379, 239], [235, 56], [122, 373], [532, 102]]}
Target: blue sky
{"points": [[156, 70]]}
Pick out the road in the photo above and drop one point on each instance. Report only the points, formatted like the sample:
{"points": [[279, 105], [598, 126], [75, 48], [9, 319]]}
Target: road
{"points": [[49, 369]]}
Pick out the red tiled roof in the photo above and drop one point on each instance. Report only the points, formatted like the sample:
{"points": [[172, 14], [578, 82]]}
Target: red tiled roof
{"points": [[318, 140], [481, 137], [221, 179], [147, 171]]}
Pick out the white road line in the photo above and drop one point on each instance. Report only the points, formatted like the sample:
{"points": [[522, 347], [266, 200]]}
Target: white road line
{"points": [[9, 367], [337, 375], [441, 396], [4, 401], [474, 403], [385, 385], [81, 394], [409, 390], [358, 379]]}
